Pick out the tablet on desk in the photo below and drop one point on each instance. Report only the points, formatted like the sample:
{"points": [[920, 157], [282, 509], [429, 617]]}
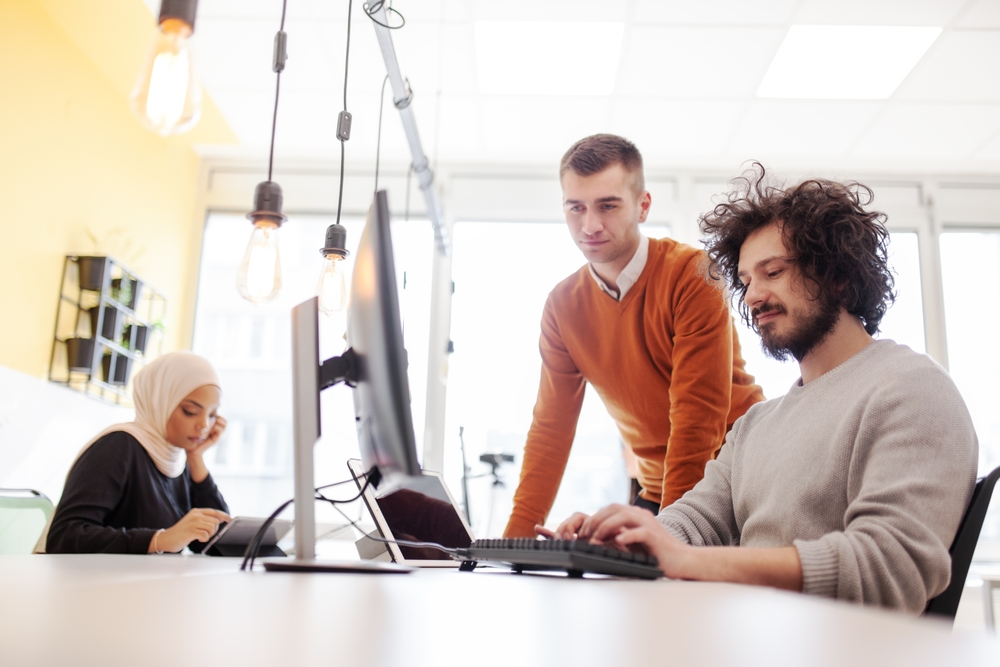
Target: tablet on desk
{"points": [[233, 538]]}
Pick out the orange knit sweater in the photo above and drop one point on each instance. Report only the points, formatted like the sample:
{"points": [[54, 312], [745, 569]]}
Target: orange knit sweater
{"points": [[666, 362]]}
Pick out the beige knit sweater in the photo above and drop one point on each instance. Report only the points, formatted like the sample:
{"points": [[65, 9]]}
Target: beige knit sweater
{"points": [[867, 471]]}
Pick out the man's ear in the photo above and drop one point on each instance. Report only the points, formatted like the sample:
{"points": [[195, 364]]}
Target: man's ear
{"points": [[645, 201]]}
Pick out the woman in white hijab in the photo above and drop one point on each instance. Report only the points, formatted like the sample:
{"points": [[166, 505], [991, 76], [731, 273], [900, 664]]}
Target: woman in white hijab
{"points": [[143, 487]]}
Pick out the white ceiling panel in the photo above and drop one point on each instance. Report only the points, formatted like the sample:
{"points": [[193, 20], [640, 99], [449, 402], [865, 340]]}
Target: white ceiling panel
{"points": [[929, 131], [666, 130], [878, 12], [460, 127], [990, 151], [550, 10], [685, 87], [964, 66], [772, 128], [249, 114], [458, 60], [982, 14], [714, 12], [696, 61], [539, 128], [234, 54]]}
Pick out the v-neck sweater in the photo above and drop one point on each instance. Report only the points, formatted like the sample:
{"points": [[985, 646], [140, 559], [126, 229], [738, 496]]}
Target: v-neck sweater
{"points": [[665, 361]]}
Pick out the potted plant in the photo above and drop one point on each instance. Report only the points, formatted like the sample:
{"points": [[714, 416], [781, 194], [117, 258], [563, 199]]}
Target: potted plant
{"points": [[125, 291], [110, 320], [79, 354], [91, 273], [122, 367], [141, 337]]}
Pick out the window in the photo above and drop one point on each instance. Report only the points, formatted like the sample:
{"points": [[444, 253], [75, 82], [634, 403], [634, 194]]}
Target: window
{"points": [[503, 273], [970, 267], [250, 347]]}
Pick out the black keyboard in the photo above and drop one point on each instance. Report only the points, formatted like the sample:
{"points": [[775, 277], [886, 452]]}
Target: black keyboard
{"points": [[574, 556]]}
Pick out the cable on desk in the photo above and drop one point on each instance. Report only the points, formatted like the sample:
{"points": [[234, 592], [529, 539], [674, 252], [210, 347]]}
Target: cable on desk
{"points": [[250, 555], [402, 543], [371, 477]]}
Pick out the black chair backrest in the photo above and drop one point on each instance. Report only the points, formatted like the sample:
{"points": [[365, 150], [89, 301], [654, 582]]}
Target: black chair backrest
{"points": [[963, 547]]}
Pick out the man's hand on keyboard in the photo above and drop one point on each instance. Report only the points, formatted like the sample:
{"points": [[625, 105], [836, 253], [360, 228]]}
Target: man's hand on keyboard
{"points": [[567, 530], [634, 529]]}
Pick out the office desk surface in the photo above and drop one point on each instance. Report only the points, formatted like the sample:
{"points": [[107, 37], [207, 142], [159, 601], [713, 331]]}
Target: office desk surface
{"points": [[184, 610]]}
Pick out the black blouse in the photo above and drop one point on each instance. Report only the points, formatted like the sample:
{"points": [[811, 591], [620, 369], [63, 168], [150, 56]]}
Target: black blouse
{"points": [[115, 499]]}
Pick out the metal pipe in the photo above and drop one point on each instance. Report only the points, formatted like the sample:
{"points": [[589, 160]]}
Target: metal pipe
{"points": [[401, 98]]}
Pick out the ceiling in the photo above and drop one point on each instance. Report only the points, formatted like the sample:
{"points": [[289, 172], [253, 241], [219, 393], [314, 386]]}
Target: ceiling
{"points": [[685, 89]]}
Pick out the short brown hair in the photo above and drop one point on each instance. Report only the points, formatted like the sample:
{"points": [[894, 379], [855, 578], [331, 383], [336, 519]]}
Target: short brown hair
{"points": [[837, 245], [597, 152]]}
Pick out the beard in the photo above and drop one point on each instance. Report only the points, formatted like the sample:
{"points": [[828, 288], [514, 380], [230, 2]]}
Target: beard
{"points": [[807, 329]]}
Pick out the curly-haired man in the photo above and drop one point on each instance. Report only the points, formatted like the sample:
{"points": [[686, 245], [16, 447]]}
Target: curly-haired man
{"points": [[854, 483]]}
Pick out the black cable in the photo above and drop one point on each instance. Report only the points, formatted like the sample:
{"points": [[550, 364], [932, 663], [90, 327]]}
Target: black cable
{"points": [[251, 551], [370, 10], [348, 55], [347, 60], [277, 92], [250, 555], [378, 142], [404, 543]]}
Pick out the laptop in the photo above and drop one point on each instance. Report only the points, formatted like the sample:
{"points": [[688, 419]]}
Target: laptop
{"points": [[422, 510]]}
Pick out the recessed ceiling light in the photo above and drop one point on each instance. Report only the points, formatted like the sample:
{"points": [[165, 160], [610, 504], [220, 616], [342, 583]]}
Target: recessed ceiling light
{"points": [[844, 62], [547, 57]]}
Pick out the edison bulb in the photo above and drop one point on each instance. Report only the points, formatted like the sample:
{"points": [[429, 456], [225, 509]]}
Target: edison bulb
{"points": [[166, 96], [332, 286], [259, 277]]}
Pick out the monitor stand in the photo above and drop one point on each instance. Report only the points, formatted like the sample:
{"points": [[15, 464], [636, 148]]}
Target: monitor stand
{"points": [[305, 404], [319, 565]]}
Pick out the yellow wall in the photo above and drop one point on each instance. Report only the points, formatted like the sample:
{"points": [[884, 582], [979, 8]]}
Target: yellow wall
{"points": [[73, 160]]}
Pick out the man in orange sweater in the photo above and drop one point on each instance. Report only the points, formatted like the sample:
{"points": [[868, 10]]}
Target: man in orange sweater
{"points": [[640, 323]]}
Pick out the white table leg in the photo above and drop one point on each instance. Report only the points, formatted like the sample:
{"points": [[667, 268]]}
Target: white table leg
{"points": [[988, 587]]}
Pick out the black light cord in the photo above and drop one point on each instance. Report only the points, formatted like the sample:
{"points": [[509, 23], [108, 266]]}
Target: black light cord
{"points": [[277, 92], [378, 142], [250, 555], [372, 8], [347, 60], [402, 543]]}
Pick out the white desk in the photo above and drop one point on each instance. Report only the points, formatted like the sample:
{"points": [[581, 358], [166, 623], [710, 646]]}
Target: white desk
{"points": [[176, 610]]}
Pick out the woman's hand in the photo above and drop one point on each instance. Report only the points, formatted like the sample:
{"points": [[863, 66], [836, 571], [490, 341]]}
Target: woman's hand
{"points": [[195, 457], [198, 524]]}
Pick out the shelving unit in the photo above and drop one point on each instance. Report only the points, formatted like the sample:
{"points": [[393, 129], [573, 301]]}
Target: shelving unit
{"points": [[108, 323]]}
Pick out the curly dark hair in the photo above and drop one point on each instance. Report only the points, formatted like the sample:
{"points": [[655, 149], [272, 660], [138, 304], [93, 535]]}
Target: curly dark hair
{"points": [[838, 246]]}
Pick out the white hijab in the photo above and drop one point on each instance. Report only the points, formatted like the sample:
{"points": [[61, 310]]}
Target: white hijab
{"points": [[157, 391]]}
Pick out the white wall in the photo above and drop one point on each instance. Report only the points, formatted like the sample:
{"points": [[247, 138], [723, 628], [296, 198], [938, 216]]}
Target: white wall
{"points": [[42, 427]]}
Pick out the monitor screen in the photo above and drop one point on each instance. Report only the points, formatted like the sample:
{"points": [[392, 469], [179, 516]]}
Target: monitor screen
{"points": [[375, 333]]}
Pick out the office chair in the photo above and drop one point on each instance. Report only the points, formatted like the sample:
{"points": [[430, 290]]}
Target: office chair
{"points": [[946, 604], [23, 514]]}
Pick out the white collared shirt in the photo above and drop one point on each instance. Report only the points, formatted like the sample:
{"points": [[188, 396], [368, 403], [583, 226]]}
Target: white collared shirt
{"points": [[629, 275]]}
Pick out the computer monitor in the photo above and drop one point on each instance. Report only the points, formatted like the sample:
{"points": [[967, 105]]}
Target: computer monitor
{"points": [[375, 364], [375, 334]]}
